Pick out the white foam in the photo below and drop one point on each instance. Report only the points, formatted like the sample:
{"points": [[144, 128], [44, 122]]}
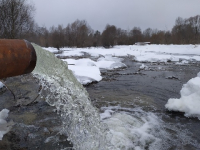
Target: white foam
{"points": [[134, 128], [189, 102], [131, 130]]}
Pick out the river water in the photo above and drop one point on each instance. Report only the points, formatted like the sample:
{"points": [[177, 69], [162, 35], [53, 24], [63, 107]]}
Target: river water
{"points": [[124, 111], [131, 103]]}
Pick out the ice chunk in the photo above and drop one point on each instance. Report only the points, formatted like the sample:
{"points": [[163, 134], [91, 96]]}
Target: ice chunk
{"points": [[109, 62], [144, 67], [189, 103], [4, 128]]}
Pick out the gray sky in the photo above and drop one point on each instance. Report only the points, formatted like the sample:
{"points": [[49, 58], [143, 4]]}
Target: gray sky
{"points": [[126, 14]]}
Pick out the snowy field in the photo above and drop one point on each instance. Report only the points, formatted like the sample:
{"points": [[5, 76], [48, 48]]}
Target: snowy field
{"points": [[87, 70]]}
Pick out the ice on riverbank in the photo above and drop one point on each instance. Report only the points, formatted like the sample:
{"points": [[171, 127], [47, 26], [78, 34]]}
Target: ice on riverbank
{"points": [[87, 70], [148, 53], [189, 102], [4, 128]]}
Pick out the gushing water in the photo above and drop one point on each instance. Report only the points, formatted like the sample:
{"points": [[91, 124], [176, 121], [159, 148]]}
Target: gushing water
{"points": [[80, 120]]}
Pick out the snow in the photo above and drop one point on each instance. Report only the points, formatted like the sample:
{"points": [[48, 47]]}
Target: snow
{"points": [[144, 67], [189, 102], [183, 62], [52, 49], [1, 85], [88, 70], [4, 128]]}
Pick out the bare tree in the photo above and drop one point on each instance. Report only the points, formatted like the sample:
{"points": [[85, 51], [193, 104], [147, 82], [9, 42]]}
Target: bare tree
{"points": [[109, 36], [147, 34], [16, 18], [136, 35], [121, 37], [57, 37], [96, 39], [79, 34]]}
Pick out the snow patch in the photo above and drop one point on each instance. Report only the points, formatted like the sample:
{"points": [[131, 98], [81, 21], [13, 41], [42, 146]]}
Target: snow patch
{"points": [[109, 62], [183, 62], [189, 102], [4, 128], [144, 67], [87, 70]]}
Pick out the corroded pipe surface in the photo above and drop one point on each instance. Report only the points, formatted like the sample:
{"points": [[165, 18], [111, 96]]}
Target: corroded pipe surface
{"points": [[17, 57]]}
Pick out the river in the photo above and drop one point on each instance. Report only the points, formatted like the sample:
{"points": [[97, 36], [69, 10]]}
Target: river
{"points": [[132, 103]]}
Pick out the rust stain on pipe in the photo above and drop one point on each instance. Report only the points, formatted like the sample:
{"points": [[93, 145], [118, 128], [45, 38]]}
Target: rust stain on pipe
{"points": [[17, 57]]}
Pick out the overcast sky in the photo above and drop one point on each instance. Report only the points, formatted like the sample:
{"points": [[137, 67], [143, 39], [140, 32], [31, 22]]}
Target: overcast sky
{"points": [[126, 14]]}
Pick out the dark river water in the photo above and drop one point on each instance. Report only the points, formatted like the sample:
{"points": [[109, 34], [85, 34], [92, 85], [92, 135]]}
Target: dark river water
{"points": [[125, 90]]}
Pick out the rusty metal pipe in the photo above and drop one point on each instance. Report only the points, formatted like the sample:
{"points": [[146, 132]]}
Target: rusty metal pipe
{"points": [[17, 57]]}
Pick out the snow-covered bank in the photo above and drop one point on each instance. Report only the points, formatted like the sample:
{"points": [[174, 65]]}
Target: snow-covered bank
{"points": [[142, 53], [87, 70], [189, 103], [4, 128]]}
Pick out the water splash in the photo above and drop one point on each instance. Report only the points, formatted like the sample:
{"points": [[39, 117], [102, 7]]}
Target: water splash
{"points": [[81, 121]]}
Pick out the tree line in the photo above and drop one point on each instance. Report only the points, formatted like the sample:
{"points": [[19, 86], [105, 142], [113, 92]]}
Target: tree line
{"points": [[16, 21]]}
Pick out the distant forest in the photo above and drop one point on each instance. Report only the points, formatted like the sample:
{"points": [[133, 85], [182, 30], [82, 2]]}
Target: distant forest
{"points": [[80, 34], [17, 21]]}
